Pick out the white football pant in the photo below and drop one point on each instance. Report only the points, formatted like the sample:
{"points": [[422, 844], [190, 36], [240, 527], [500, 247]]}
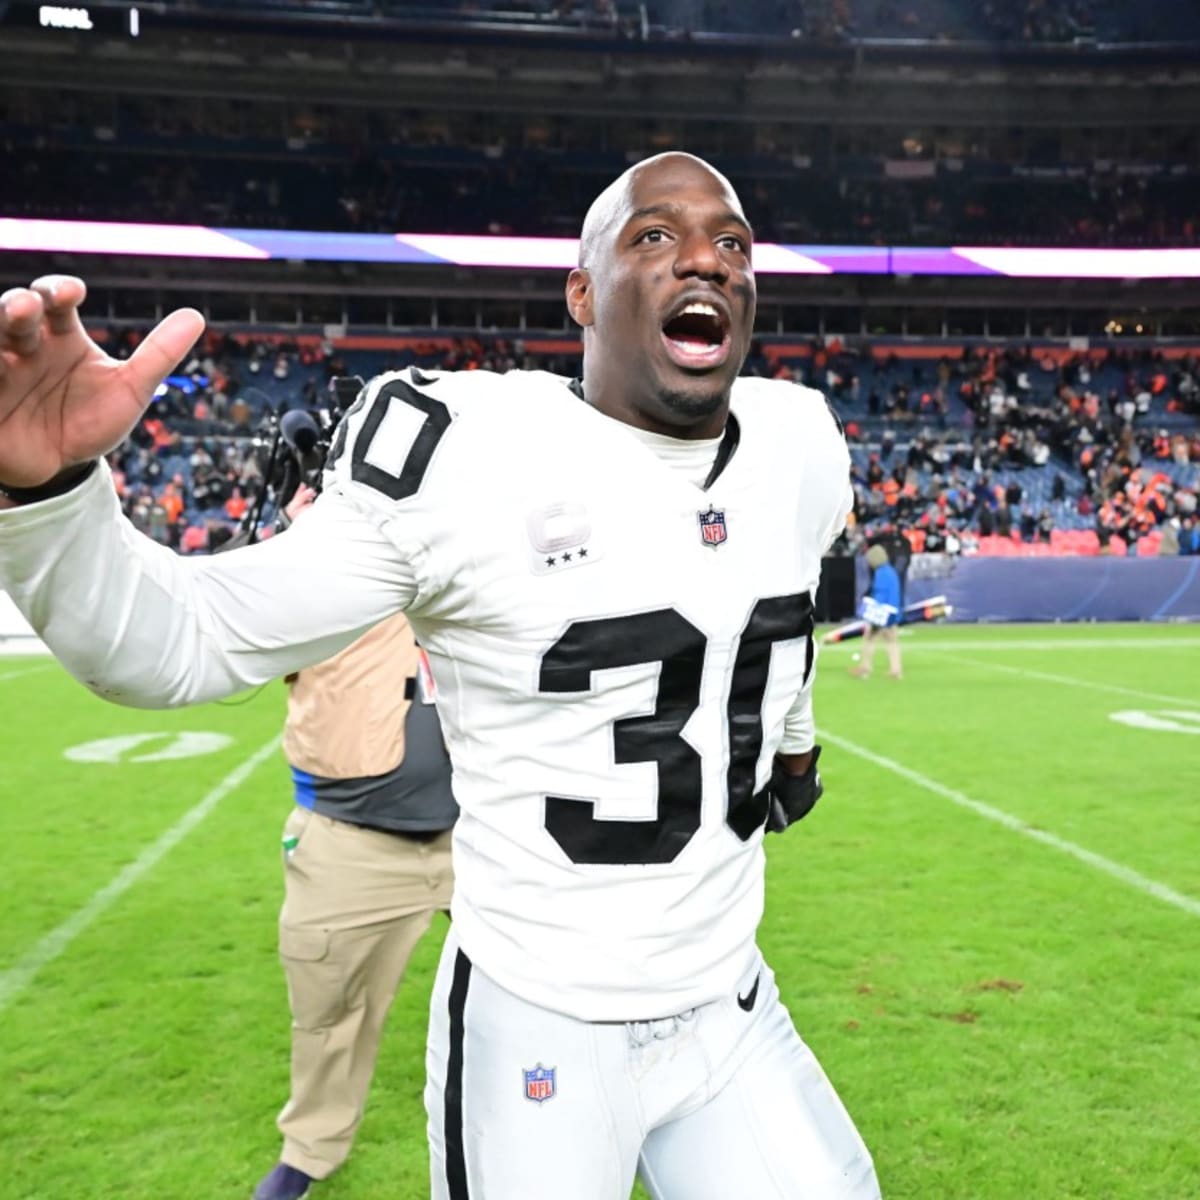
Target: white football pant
{"points": [[723, 1102]]}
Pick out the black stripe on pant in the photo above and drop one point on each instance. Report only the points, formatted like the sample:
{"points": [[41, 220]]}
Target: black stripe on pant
{"points": [[456, 1161]]}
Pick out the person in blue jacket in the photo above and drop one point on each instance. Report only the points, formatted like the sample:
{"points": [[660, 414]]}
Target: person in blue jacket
{"points": [[880, 609]]}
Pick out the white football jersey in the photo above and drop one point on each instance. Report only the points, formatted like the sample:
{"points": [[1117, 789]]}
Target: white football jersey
{"points": [[619, 652], [616, 650]]}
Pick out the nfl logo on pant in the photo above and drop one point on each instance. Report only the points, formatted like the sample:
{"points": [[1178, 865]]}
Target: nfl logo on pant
{"points": [[539, 1083]]}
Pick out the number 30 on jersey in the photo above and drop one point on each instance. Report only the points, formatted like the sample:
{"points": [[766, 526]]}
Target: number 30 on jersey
{"points": [[665, 637]]}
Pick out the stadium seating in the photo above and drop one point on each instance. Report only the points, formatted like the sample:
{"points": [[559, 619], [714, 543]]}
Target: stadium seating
{"points": [[271, 374], [1023, 21], [252, 181]]}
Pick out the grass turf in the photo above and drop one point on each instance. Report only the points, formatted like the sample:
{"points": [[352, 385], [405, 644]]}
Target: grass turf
{"points": [[1005, 1019]]}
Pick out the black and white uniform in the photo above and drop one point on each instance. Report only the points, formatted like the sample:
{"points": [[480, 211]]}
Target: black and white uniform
{"points": [[620, 648]]}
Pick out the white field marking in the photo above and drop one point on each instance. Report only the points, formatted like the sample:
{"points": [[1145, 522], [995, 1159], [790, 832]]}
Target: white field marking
{"points": [[5, 676], [188, 744], [17, 978], [915, 641], [1126, 875], [1163, 720], [1071, 681]]}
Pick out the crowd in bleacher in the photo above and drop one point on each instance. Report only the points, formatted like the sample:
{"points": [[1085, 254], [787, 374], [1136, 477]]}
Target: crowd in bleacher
{"points": [[192, 470], [997, 449], [270, 164], [1022, 21], [980, 450], [528, 191]]}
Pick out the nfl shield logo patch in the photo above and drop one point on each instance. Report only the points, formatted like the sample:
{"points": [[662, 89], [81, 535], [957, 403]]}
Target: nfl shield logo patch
{"points": [[539, 1084], [712, 526]]}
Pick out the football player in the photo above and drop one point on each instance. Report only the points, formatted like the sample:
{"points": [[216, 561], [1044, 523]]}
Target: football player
{"points": [[613, 578]]}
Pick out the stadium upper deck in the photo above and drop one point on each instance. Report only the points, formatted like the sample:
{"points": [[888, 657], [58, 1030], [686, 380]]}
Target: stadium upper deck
{"points": [[1021, 21]]}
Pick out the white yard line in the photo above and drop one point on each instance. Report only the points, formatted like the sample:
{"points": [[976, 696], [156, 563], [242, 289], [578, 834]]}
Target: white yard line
{"points": [[914, 639], [5, 676], [1071, 681], [1126, 875], [17, 978]]}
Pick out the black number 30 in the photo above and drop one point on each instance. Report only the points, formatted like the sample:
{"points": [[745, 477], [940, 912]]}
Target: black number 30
{"points": [[667, 638]]}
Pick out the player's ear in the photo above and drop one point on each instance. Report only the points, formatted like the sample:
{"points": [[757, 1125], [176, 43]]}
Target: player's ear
{"points": [[579, 296]]}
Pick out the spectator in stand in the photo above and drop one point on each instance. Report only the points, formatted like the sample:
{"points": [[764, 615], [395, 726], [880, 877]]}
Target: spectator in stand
{"points": [[172, 499], [1189, 536], [194, 540], [235, 506], [1004, 520], [157, 525], [1045, 526], [239, 414]]}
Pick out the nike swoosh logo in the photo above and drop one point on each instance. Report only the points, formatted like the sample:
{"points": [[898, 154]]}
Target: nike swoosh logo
{"points": [[746, 1002]]}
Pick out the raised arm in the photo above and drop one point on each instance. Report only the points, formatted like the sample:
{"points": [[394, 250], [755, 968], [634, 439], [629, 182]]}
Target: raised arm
{"points": [[64, 402], [131, 620]]}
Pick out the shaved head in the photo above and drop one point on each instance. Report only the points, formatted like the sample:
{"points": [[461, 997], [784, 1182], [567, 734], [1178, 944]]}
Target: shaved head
{"points": [[607, 211], [664, 292]]}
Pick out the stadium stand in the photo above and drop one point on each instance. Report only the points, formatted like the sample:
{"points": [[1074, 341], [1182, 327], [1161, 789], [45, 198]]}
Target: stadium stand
{"points": [[941, 163], [989, 444], [219, 163], [969, 450], [1022, 21]]}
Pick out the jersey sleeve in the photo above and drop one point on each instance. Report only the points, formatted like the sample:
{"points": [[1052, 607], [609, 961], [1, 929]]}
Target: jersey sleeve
{"points": [[140, 625], [385, 461], [816, 445], [799, 728]]}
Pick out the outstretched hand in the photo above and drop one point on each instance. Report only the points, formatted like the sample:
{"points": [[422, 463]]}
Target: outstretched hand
{"points": [[63, 400]]}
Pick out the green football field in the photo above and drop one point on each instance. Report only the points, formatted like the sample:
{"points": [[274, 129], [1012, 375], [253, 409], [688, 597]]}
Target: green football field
{"points": [[988, 931]]}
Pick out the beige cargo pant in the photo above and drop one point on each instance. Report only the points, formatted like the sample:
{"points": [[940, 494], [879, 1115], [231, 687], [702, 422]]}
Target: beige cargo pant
{"points": [[356, 902]]}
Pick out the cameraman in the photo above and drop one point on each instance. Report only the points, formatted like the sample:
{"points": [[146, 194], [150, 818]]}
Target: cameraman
{"points": [[366, 864]]}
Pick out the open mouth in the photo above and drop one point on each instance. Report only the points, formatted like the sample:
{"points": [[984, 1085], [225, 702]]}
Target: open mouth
{"points": [[697, 336]]}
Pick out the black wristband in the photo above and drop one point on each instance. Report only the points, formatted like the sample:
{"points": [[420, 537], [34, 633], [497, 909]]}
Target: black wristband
{"points": [[60, 485]]}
